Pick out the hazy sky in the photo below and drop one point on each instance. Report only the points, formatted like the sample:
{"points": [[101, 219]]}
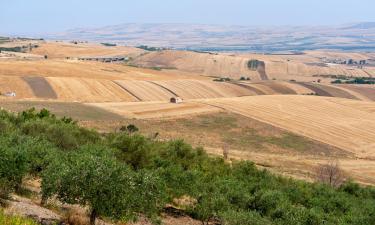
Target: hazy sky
{"points": [[35, 16]]}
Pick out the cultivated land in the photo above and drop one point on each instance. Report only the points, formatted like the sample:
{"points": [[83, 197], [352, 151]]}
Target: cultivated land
{"points": [[268, 119]]}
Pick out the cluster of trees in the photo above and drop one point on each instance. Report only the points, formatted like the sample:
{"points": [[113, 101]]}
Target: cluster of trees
{"points": [[253, 64], [151, 49], [124, 174], [357, 80], [12, 49], [245, 78], [109, 44], [222, 79]]}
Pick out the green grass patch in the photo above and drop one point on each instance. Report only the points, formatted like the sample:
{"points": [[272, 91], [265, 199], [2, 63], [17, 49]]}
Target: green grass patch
{"points": [[14, 220]]}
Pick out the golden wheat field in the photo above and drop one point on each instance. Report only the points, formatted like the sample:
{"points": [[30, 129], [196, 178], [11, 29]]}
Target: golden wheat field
{"points": [[347, 124]]}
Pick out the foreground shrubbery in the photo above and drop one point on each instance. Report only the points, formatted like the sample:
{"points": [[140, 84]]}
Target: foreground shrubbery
{"points": [[14, 220], [122, 175]]}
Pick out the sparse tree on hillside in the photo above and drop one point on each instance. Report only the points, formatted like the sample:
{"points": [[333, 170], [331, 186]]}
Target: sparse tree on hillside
{"points": [[330, 173], [131, 128]]}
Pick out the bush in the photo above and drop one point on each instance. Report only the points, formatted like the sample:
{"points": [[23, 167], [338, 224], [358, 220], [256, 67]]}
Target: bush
{"points": [[90, 177], [65, 136], [232, 217], [13, 166], [135, 150]]}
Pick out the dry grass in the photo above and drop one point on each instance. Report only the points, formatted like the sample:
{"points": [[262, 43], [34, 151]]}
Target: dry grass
{"points": [[225, 65], [346, 124], [62, 50], [144, 110], [77, 111]]}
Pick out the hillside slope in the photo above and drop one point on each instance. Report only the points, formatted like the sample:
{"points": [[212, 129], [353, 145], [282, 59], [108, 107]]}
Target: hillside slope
{"points": [[343, 123]]}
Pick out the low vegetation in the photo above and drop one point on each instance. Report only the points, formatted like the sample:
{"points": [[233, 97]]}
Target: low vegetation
{"points": [[12, 49], [222, 79], [109, 44], [14, 220], [151, 49], [253, 64], [122, 175], [357, 80]]}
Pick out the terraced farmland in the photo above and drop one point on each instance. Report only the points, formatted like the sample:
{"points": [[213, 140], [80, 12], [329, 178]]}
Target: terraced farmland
{"points": [[343, 123]]}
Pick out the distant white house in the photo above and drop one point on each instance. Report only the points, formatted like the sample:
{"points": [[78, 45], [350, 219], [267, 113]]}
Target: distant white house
{"points": [[176, 100], [10, 94]]}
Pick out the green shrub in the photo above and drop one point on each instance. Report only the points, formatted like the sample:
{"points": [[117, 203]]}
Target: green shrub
{"points": [[90, 177], [232, 217], [135, 150], [13, 166]]}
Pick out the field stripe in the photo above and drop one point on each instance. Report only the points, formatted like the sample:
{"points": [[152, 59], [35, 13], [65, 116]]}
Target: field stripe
{"points": [[262, 71], [256, 90], [365, 91], [165, 88], [317, 90], [131, 93], [40, 87], [279, 88]]}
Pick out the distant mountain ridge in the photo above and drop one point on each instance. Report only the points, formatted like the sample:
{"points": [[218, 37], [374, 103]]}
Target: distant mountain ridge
{"points": [[360, 36]]}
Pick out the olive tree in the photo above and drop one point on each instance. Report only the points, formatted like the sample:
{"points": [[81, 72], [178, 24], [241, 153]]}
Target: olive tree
{"points": [[90, 177], [13, 167]]}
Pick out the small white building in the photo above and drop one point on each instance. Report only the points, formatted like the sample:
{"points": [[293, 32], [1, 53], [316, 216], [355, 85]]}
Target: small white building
{"points": [[10, 94], [176, 100]]}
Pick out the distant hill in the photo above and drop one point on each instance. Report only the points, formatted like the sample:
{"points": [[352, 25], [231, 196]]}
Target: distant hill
{"points": [[359, 37], [365, 25]]}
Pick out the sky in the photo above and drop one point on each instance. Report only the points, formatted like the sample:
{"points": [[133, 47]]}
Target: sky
{"points": [[48, 16]]}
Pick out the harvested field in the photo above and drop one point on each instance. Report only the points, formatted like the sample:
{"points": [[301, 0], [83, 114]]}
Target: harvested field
{"points": [[235, 65], [280, 88], [40, 87], [146, 110], [192, 89], [92, 70], [15, 84], [336, 92], [88, 90], [219, 65], [145, 91], [77, 111], [356, 94], [330, 91], [62, 50], [298, 89], [332, 121], [252, 89], [318, 90], [369, 92], [262, 87]]}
